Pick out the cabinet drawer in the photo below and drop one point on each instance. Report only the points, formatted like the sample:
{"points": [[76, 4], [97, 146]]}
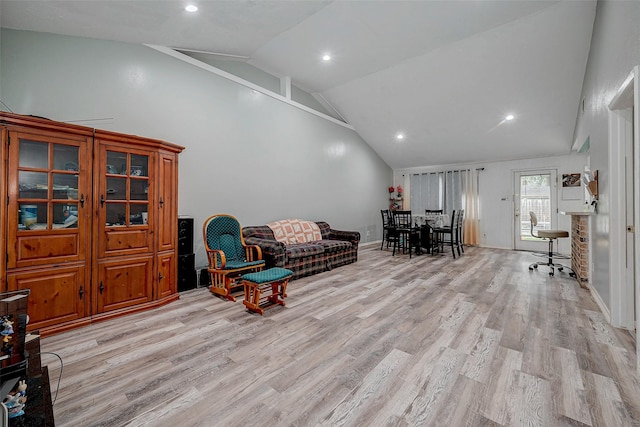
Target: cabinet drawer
{"points": [[121, 242], [46, 249]]}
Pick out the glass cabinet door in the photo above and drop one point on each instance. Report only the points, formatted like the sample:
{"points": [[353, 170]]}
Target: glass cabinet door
{"points": [[48, 192], [127, 192], [124, 201], [47, 186]]}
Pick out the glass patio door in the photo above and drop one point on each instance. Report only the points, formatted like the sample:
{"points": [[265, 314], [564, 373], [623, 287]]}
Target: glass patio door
{"points": [[534, 191]]}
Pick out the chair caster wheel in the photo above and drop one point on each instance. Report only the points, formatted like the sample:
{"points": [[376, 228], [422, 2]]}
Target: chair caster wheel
{"points": [[572, 274], [551, 274], [530, 268]]}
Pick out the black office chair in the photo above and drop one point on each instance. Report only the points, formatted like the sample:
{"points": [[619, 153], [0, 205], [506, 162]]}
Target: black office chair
{"points": [[550, 235]]}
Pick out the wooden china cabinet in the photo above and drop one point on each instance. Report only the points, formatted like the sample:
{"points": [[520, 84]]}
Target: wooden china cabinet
{"points": [[89, 222]]}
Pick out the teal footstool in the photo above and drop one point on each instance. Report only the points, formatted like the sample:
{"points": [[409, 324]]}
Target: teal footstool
{"points": [[255, 284]]}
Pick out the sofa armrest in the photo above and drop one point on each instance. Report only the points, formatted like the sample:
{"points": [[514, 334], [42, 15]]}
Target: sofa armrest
{"points": [[272, 250], [351, 236]]}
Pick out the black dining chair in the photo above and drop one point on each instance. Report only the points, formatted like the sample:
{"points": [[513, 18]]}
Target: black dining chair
{"points": [[447, 235], [428, 240], [389, 232], [409, 236], [460, 230]]}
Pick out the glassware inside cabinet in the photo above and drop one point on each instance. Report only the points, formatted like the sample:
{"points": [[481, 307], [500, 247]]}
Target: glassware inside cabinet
{"points": [[116, 163], [139, 165], [32, 216], [138, 214]]}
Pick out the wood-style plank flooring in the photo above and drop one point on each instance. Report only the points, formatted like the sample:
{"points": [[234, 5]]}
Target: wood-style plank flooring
{"points": [[387, 341]]}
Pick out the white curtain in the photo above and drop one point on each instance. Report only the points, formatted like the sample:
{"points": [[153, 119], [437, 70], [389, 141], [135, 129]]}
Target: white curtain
{"points": [[415, 192], [453, 189], [456, 189], [471, 208], [426, 192]]}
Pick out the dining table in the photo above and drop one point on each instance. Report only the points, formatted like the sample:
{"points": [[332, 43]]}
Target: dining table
{"points": [[426, 224]]}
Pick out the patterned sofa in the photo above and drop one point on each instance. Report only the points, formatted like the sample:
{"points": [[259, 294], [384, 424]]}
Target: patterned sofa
{"points": [[304, 255]]}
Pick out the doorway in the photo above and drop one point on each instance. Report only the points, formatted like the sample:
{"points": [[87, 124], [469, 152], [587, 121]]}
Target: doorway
{"points": [[624, 254], [535, 191]]}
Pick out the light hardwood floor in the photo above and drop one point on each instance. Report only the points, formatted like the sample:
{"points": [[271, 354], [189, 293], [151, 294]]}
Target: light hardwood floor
{"points": [[387, 341]]}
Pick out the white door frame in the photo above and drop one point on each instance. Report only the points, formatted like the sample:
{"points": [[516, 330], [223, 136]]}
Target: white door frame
{"points": [[534, 245], [622, 304]]}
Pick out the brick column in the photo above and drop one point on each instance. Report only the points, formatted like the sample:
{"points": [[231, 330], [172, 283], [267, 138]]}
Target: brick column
{"points": [[580, 248]]}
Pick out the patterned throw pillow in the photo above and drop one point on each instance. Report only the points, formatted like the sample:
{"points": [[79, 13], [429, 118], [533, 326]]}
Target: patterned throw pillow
{"points": [[283, 231], [289, 231], [306, 231]]}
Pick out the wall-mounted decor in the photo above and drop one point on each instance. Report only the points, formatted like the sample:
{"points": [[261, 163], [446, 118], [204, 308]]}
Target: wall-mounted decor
{"points": [[571, 180], [571, 186]]}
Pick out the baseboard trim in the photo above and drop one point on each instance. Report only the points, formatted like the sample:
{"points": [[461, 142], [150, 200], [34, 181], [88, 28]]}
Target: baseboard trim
{"points": [[600, 302]]}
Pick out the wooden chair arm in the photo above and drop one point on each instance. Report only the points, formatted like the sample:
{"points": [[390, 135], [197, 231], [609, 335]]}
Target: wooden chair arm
{"points": [[217, 259]]}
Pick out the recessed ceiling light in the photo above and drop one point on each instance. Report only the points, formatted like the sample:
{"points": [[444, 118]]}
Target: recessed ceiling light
{"points": [[191, 8], [400, 136], [326, 57], [509, 117]]}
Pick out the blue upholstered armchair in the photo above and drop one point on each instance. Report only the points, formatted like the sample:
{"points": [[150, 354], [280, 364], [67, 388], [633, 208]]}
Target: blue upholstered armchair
{"points": [[229, 257]]}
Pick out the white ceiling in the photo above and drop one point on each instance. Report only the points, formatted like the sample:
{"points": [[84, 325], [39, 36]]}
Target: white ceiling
{"points": [[444, 73]]}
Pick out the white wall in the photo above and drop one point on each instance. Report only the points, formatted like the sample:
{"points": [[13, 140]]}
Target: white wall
{"points": [[496, 188], [615, 50], [247, 154]]}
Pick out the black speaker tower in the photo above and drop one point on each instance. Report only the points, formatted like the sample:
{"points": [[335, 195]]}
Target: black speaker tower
{"points": [[185, 235], [187, 277]]}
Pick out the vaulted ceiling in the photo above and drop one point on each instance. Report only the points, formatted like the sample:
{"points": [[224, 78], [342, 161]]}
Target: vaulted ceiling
{"points": [[445, 74]]}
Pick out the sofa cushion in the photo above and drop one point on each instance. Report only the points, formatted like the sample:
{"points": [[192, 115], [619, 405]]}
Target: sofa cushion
{"points": [[331, 246], [301, 250]]}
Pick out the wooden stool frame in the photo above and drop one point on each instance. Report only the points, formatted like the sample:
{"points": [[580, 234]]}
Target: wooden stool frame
{"points": [[257, 298]]}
